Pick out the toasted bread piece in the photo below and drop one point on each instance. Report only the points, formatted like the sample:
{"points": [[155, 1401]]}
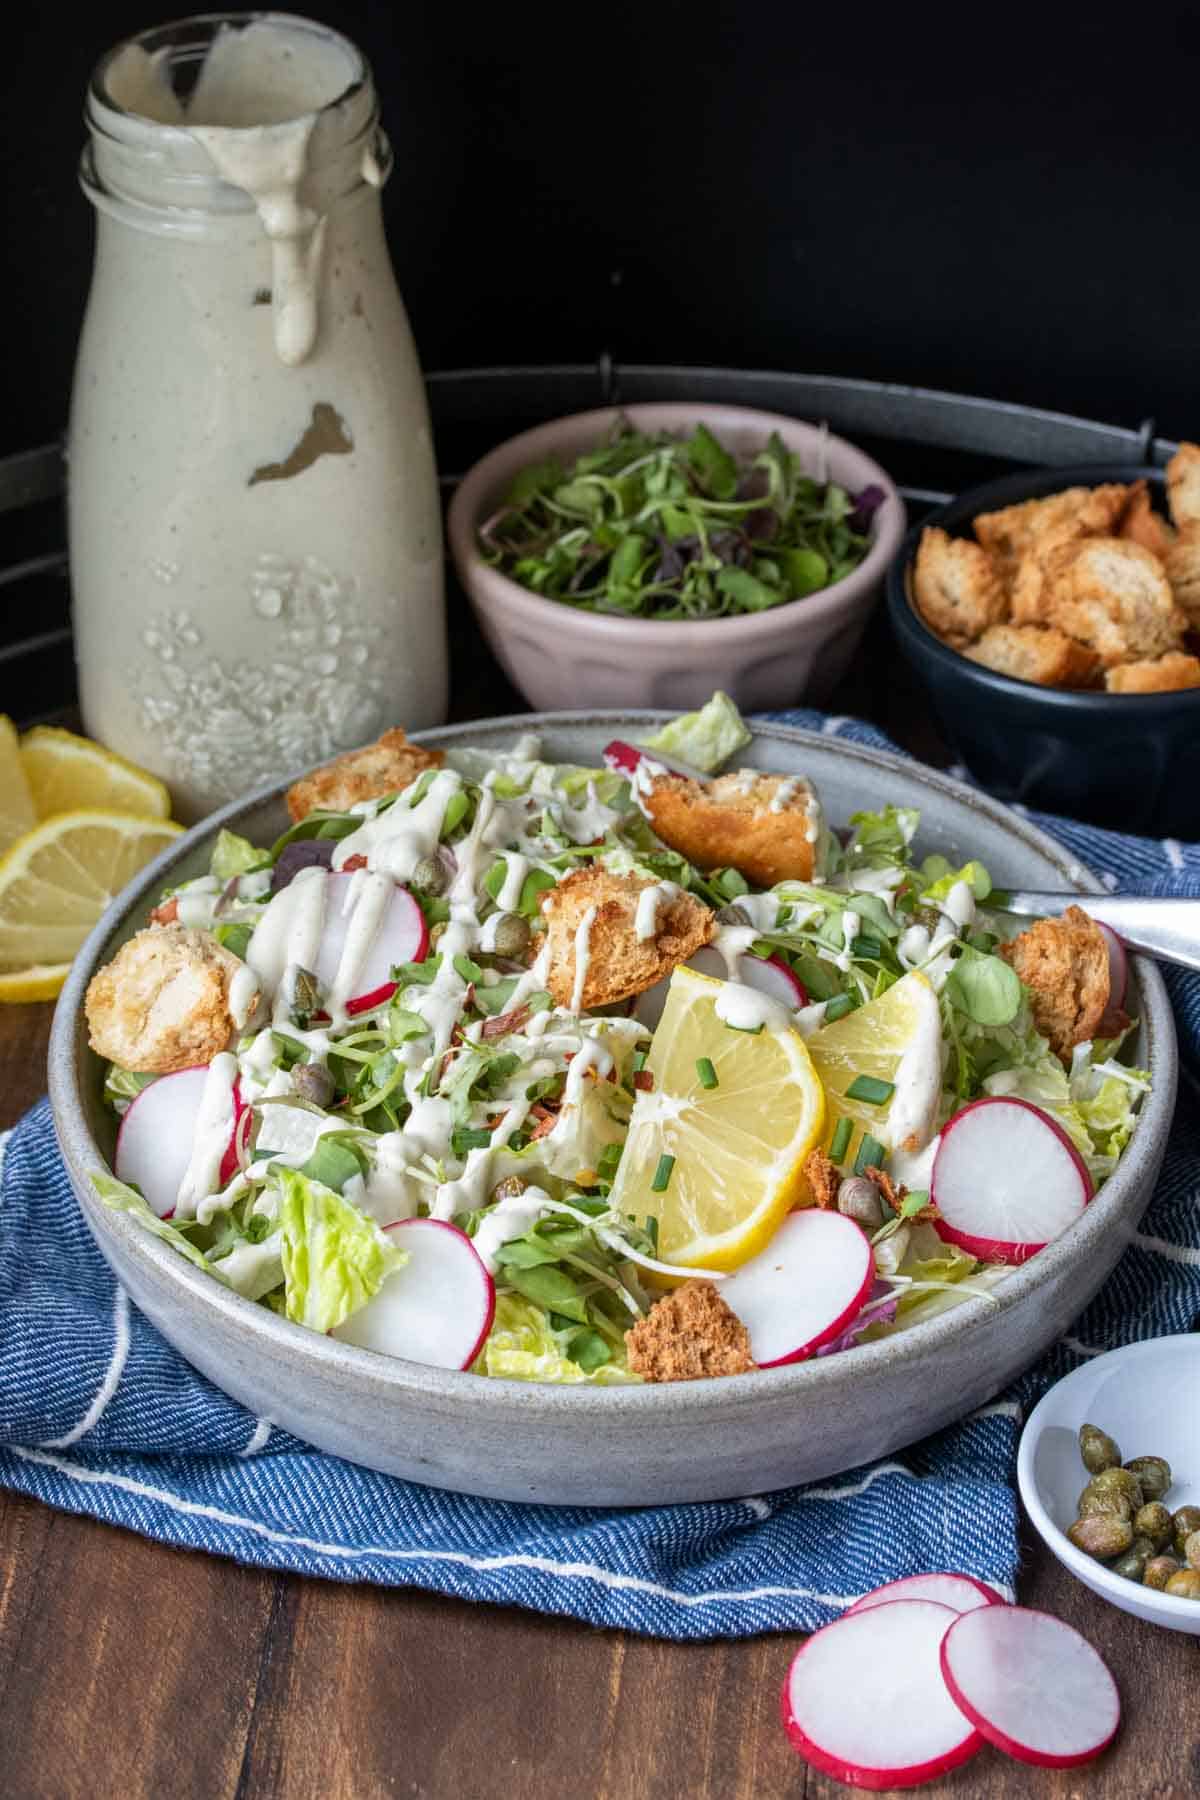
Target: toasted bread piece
{"points": [[1077, 512], [1142, 525], [956, 586], [1183, 573], [618, 963], [1035, 653], [162, 1003], [1183, 487], [1036, 578], [1114, 596], [386, 767], [688, 1334], [765, 825], [1064, 964], [1163, 675]]}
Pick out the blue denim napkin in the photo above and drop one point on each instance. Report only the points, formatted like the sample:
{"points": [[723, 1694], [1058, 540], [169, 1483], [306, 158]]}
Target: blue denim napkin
{"points": [[99, 1415]]}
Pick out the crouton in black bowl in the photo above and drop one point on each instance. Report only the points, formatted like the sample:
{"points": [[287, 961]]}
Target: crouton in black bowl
{"points": [[1037, 633]]}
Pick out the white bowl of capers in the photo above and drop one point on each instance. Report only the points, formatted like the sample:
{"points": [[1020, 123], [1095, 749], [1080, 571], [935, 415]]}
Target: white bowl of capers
{"points": [[1109, 1471]]}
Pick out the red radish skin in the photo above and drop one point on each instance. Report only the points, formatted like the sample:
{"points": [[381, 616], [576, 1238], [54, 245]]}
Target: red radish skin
{"points": [[443, 1300], [769, 974], [1118, 984], [961, 1593], [1060, 1187], [1031, 1685], [804, 1289], [864, 1700], [229, 1162], [403, 937], [154, 1139]]}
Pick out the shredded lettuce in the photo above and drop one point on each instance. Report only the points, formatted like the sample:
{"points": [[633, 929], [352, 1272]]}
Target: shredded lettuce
{"points": [[705, 739], [523, 1347], [334, 1257], [942, 877], [126, 1199], [123, 1085], [233, 855]]}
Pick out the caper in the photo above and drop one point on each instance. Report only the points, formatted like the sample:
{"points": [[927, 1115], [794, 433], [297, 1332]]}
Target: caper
{"points": [[1133, 1564], [429, 877], [733, 915], [1103, 1536], [1096, 1500], [509, 1188], [1191, 1549], [306, 995], [858, 1198], [1185, 1583], [1153, 1474], [1158, 1571], [1154, 1521], [1120, 1481], [1183, 1523], [312, 1081], [511, 935], [1098, 1450]]}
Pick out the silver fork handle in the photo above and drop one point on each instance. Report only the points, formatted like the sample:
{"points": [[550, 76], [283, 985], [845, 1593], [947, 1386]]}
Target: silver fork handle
{"points": [[1168, 928]]}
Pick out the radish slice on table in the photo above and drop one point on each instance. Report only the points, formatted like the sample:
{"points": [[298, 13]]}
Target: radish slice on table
{"points": [[865, 1702], [961, 1593], [1006, 1180], [437, 1309], [804, 1288], [769, 974], [1031, 1685], [401, 937], [154, 1142]]}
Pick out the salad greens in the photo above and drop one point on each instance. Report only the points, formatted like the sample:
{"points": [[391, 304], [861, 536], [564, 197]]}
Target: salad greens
{"points": [[463, 1091], [659, 527]]}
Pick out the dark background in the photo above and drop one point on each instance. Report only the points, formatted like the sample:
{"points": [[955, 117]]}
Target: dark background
{"points": [[998, 201]]}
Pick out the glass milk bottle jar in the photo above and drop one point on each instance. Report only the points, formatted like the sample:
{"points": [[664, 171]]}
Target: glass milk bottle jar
{"points": [[256, 555]]}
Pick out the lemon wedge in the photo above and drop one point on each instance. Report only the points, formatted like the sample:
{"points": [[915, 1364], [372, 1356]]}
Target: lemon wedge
{"points": [[896, 1039], [17, 814], [737, 1109], [66, 772], [54, 884]]}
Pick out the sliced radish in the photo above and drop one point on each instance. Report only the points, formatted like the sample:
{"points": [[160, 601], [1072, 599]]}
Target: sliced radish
{"points": [[1031, 1685], [769, 974], [625, 757], [1006, 1180], [961, 1593], [1114, 1020], [437, 1309], [804, 1288], [154, 1143], [402, 937], [865, 1702]]}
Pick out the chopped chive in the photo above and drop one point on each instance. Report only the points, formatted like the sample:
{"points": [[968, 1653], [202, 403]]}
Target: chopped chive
{"points": [[706, 1072], [866, 1087], [470, 971], [867, 949], [652, 1232], [870, 1154], [838, 1007], [639, 1060], [662, 1175], [840, 1142]]}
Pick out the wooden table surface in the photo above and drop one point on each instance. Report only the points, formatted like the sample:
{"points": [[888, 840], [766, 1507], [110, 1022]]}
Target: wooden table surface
{"points": [[131, 1669]]}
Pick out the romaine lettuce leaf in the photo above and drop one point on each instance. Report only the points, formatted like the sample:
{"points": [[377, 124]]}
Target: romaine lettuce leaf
{"points": [[706, 738], [125, 1199], [334, 1257], [233, 855], [522, 1347]]}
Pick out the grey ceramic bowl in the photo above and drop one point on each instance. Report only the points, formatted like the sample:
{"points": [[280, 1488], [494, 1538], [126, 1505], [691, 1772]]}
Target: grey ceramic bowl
{"points": [[559, 656], [636, 1445]]}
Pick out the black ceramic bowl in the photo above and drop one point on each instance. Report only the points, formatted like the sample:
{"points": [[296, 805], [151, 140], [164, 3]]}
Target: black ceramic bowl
{"points": [[1128, 761]]}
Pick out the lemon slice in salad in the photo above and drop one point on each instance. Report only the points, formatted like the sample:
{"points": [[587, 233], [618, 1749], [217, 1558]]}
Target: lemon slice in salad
{"points": [[17, 813], [54, 884], [892, 1047], [716, 1147], [66, 772]]}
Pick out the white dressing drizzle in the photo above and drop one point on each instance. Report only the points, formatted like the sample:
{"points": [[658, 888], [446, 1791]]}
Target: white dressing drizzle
{"points": [[211, 1137], [582, 956], [746, 1009], [650, 901]]}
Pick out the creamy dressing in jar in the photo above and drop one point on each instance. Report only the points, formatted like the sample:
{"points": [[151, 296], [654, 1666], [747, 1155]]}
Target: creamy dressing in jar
{"points": [[254, 521]]}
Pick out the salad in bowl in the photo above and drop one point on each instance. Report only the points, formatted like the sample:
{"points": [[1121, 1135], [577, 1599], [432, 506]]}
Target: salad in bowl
{"points": [[629, 1073]]}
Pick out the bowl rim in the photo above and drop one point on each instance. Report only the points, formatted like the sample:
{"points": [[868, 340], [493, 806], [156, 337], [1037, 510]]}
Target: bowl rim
{"points": [[1009, 489], [463, 513], [1094, 1574], [382, 1376]]}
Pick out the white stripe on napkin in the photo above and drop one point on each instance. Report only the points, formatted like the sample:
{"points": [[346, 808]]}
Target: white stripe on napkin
{"points": [[112, 1377], [1180, 1253]]}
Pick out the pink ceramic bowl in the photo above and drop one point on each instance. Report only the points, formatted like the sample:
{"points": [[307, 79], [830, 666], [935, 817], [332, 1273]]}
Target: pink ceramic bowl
{"points": [[559, 656]]}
